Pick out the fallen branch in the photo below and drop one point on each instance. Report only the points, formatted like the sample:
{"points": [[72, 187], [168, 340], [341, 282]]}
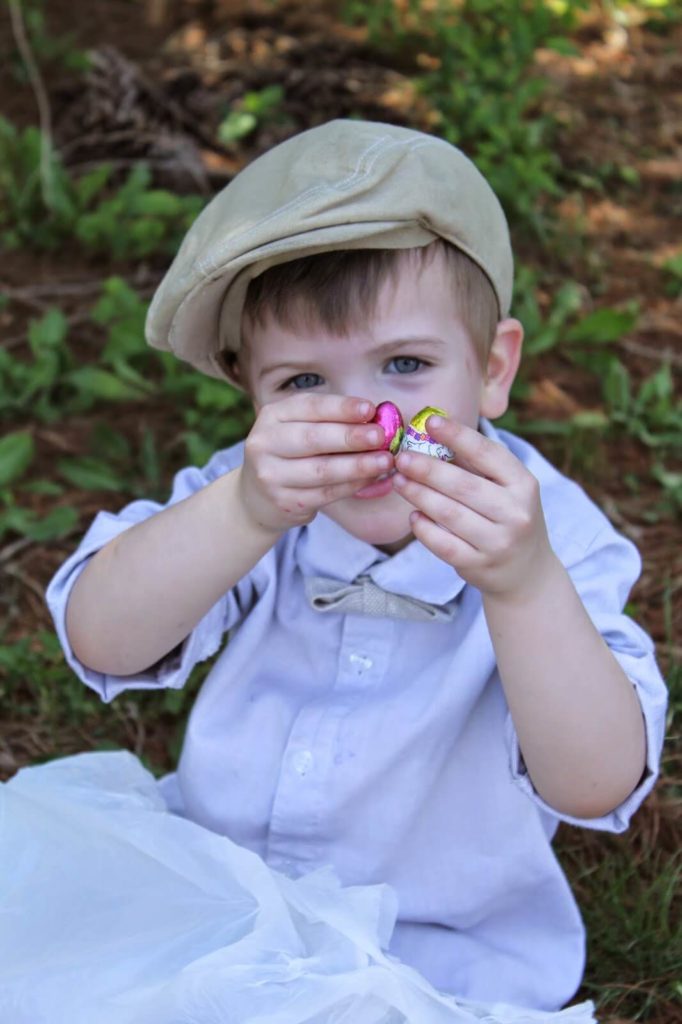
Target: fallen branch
{"points": [[34, 292], [665, 355], [27, 581], [14, 548]]}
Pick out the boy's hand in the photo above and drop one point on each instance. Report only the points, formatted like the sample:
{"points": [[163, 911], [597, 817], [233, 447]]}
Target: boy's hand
{"points": [[481, 514], [306, 451]]}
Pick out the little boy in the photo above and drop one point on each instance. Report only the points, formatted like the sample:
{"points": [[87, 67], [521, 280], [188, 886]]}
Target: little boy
{"points": [[428, 666]]}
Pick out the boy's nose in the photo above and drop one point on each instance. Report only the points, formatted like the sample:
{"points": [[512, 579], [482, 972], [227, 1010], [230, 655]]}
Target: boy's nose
{"points": [[368, 390], [361, 389]]}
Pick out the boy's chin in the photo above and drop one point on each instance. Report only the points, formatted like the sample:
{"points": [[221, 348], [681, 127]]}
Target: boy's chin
{"points": [[388, 532], [384, 540], [392, 547]]}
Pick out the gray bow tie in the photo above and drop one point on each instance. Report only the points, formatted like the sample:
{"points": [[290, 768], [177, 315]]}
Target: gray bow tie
{"points": [[364, 597]]}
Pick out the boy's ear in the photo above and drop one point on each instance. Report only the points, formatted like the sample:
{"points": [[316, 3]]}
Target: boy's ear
{"points": [[233, 369], [503, 362]]}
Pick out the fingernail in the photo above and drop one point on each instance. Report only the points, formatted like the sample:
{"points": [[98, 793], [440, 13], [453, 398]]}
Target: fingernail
{"points": [[436, 421], [405, 458], [399, 479], [364, 408]]}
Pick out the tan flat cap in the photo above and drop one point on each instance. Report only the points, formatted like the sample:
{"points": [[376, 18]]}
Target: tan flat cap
{"points": [[344, 185]]}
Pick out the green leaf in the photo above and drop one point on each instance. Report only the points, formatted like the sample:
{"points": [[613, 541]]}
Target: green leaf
{"points": [[674, 265], [48, 332], [149, 459], [91, 381], [567, 301], [16, 454], [590, 419], [544, 340], [129, 374], [57, 523], [617, 388], [264, 101], [199, 450], [91, 184], [658, 386], [109, 444], [566, 47], [603, 326], [158, 203], [671, 480], [216, 394], [145, 236], [90, 474], [16, 520], [46, 487], [119, 301], [237, 125], [630, 175], [596, 361]]}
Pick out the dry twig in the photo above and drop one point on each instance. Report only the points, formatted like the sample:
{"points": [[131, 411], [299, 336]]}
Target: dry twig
{"points": [[44, 114], [665, 355]]}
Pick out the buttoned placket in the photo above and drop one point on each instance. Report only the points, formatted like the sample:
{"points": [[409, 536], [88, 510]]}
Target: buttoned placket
{"points": [[316, 747]]}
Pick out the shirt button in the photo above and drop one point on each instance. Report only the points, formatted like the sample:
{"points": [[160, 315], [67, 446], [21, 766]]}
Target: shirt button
{"points": [[360, 661], [303, 762]]}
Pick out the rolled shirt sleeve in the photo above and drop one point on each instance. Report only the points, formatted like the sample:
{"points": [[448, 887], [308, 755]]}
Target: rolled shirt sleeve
{"points": [[204, 640], [603, 577]]}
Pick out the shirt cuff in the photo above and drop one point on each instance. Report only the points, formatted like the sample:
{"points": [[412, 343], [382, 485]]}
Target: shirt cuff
{"points": [[644, 675], [170, 672]]}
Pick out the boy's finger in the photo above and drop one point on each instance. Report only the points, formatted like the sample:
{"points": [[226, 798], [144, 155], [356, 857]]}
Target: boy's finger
{"points": [[299, 440], [326, 470], [473, 450], [461, 520], [477, 492], [306, 408], [451, 548], [334, 492]]}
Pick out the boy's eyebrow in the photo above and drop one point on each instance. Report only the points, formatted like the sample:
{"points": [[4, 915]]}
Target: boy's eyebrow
{"points": [[394, 344], [405, 341]]}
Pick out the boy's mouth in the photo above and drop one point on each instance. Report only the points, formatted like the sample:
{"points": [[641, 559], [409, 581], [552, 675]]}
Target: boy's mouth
{"points": [[378, 488]]}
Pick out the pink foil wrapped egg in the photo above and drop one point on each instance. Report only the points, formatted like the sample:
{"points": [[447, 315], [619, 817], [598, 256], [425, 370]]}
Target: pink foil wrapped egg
{"points": [[389, 419]]}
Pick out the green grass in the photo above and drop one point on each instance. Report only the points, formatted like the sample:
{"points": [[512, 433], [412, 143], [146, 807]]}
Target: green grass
{"points": [[632, 912], [41, 694], [629, 889]]}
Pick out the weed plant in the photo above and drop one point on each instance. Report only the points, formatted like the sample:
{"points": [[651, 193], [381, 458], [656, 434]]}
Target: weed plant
{"points": [[43, 206], [51, 385], [47, 47], [479, 80]]}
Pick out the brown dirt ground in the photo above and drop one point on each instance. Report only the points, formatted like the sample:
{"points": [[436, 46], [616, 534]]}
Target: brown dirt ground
{"points": [[159, 90]]}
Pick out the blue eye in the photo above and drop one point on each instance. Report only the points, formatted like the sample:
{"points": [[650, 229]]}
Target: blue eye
{"points": [[406, 364], [302, 381]]}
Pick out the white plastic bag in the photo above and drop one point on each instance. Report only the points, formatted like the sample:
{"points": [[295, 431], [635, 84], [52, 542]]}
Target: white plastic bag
{"points": [[114, 911]]}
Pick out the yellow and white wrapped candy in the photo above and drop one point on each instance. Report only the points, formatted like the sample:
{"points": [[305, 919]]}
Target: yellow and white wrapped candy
{"points": [[417, 439]]}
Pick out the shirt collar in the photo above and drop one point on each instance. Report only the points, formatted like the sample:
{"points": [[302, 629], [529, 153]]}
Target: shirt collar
{"points": [[323, 548]]}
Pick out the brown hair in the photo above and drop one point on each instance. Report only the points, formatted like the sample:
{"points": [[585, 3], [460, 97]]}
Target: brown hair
{"points": [[338, 290]]}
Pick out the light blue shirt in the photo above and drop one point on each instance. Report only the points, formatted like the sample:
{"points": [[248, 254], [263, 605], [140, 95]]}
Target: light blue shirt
{"points": [[385, 746]]}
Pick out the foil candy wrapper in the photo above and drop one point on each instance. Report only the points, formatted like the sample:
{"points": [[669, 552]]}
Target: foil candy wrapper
{"points": [[413, 438], [389, 419], [416, 438]]}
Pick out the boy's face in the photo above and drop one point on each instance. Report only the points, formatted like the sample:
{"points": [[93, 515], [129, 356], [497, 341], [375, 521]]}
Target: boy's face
{"points": [[413, 352]]}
